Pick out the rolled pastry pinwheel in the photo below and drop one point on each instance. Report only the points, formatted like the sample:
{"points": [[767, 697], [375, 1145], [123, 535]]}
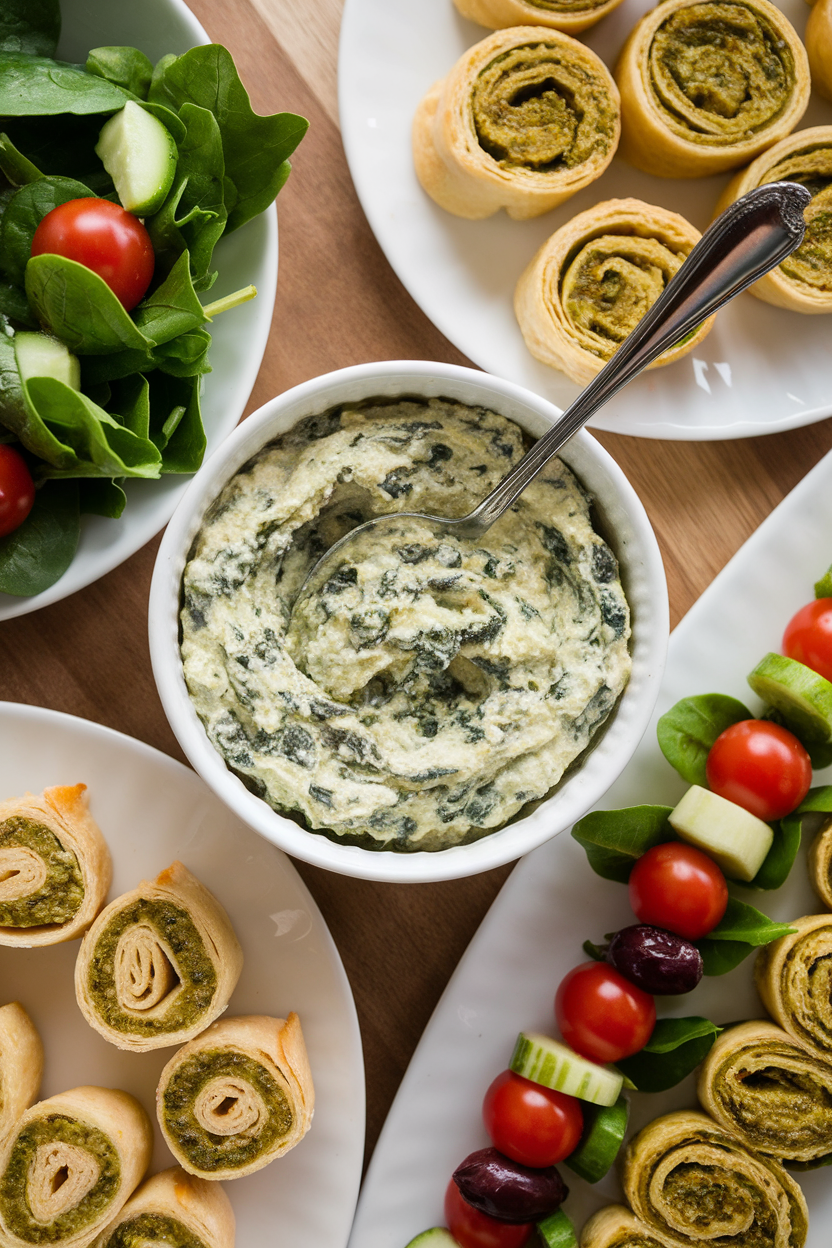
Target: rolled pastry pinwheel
{"points": [[763, 1085], [692, 1182], [820, 863], [803, 282], [572, 16], [173, 1210], [707, 86], [591, 283], [794, 980], [818, 40], [55, 867], [524, 119], [615, 1227], [21, 1064], [69, 1166], [159, 963], [237, 1097]]}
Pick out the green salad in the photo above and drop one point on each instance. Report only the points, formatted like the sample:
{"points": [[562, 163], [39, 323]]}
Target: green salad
{"points": [[117, 180]]}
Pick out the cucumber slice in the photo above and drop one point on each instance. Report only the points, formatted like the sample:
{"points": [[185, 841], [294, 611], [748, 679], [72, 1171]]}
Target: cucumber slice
{"points": [[736, 840], [140, 156], [39, 355], [436, 1237], [823, 587], [552, 1064], [802, 697], [557, 1231], [604, 1129]]}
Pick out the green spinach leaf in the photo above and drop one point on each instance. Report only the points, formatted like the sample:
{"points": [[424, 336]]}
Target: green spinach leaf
{"points": [[173, 308], [78, 306], [103, 447], [37, 86], [780, 858], [676, 1047], [688, 730], [126, 67], [18, 416], [100, 497], [63, 146], [15, 306], [614, 839], [30, 26], [823, 587], [24, 213], [176, 422], [37, 554], [16, 167], [741, 929]]}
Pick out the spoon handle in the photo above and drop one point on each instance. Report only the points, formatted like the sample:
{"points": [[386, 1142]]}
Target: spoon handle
{"points": [[753, 235]]}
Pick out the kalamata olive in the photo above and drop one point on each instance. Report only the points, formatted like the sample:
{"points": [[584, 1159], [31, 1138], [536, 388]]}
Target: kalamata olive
{"points": [[506, 1190], [655, 960]]}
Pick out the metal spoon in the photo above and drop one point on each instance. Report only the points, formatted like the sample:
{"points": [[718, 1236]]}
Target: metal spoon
{"points": [[753, 235]]}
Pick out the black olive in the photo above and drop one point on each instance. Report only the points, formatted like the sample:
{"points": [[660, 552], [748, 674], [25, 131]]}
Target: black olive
{"points": [[655, 960], [504, 1189]]}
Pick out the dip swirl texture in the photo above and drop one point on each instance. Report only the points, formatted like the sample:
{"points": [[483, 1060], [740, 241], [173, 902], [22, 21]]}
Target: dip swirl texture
{"points": [[433, 688]]}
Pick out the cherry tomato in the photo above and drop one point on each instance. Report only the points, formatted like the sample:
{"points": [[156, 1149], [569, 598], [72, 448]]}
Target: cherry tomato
{"points": [[760, 766], [17, 489], [601, 1014], [677, 887], [808, 637], [104, 237], [472, 1229], [529, 1123]]}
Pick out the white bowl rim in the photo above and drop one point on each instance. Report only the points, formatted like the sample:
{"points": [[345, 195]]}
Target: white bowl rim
{"points": [[647, 595]]}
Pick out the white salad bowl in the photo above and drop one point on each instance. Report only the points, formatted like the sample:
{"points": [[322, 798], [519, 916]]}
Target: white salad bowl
{"points": [[621, 520]]}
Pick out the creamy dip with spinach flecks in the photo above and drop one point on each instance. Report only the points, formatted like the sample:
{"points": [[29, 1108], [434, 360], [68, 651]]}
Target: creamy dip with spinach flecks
{"points": [[432, 689]]}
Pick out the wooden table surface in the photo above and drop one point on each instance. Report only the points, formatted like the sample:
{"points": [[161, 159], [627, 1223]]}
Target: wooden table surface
{"points": [[339, 303]]}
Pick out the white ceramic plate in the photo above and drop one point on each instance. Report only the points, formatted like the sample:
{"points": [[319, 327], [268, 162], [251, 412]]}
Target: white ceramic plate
{"points": [[153, 810], [249, 255], [553, 901], [761, 369]]}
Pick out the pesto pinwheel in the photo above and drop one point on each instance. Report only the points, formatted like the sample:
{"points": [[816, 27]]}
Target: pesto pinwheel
{"points": [[794, 980], [173, 1209], [572, 16], [818, 40], [21, 1064], [237, 1097], [820, 863], [159, 963], [706, 85], [767, 1088], [591, 283], [616, 1227], [691, 1182], [69, 1166], [803, 282], [523, 120]]}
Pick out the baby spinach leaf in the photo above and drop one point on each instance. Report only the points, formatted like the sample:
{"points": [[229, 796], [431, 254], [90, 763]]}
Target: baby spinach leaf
{"points": [[168, 119], [823, 587], [99, 497], [688, 730], [15, 305], [78, 306], [130, 398], [676, 1047], [62, 146], [780, 858], [18, 415], [614, 839], [103, 447], [721, 956], [126, 67], [741, 929], [37, 554], [173, 308], [176, 422], [37, 86], [256, 149], [30, 26], [24, 213], [16, 167]]}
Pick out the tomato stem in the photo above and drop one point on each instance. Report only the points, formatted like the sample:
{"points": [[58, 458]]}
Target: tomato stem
{"points": [[229, 301]]}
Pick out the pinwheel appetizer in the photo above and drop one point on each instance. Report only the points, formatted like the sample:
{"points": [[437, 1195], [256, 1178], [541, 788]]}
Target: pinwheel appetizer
{"points": [[616, 1227], [820, 863], [176, 1210], [818, 38], [572, 16], [793, 976], [21, 1064]]}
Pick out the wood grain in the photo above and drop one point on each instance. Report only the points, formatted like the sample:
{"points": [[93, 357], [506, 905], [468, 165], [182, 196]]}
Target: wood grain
{"points": [[339, 303]]}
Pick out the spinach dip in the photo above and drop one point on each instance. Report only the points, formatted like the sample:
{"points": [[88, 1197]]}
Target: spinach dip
{"points": [[432, 689]]}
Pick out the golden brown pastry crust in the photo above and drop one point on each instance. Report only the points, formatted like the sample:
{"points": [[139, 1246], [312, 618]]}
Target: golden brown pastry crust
{"points": [[818, 40], [820, 863], [21, 1064], [569, 17], [462, 177], [638, 244], [204, 1208], [794, 979], [616, 1227]]}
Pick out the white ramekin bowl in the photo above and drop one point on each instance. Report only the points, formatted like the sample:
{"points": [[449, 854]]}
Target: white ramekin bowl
{"points": [[621, 520]]}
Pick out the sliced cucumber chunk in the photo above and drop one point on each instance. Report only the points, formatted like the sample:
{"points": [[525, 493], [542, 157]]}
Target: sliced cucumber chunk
{"points": [[39, 355], [604, 1129], [140, 156], [802, 697], [736, 840], [552, 1064], [557, 1231], [823, 587], [436, 1237]]}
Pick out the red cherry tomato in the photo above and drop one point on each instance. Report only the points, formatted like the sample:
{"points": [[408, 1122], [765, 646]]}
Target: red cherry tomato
{"points": [[677, 887], [529, 1123], [106, 238], [760, 766], [17, 489], [808, 637], [601, 1014], [472, 1229]]}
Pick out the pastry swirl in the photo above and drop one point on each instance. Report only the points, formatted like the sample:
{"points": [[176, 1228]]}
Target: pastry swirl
{"points": [[820, 863], [159, 964], [237, 1097], [21, 1064], [571, 16], [70, 1165], [803, 282], [706, 85], [615, 1227], [524, 120], [818, 40], [794, 979], [591, 283], [174, 1210], [770, 1091], [691, 1182], [55, 867]]}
